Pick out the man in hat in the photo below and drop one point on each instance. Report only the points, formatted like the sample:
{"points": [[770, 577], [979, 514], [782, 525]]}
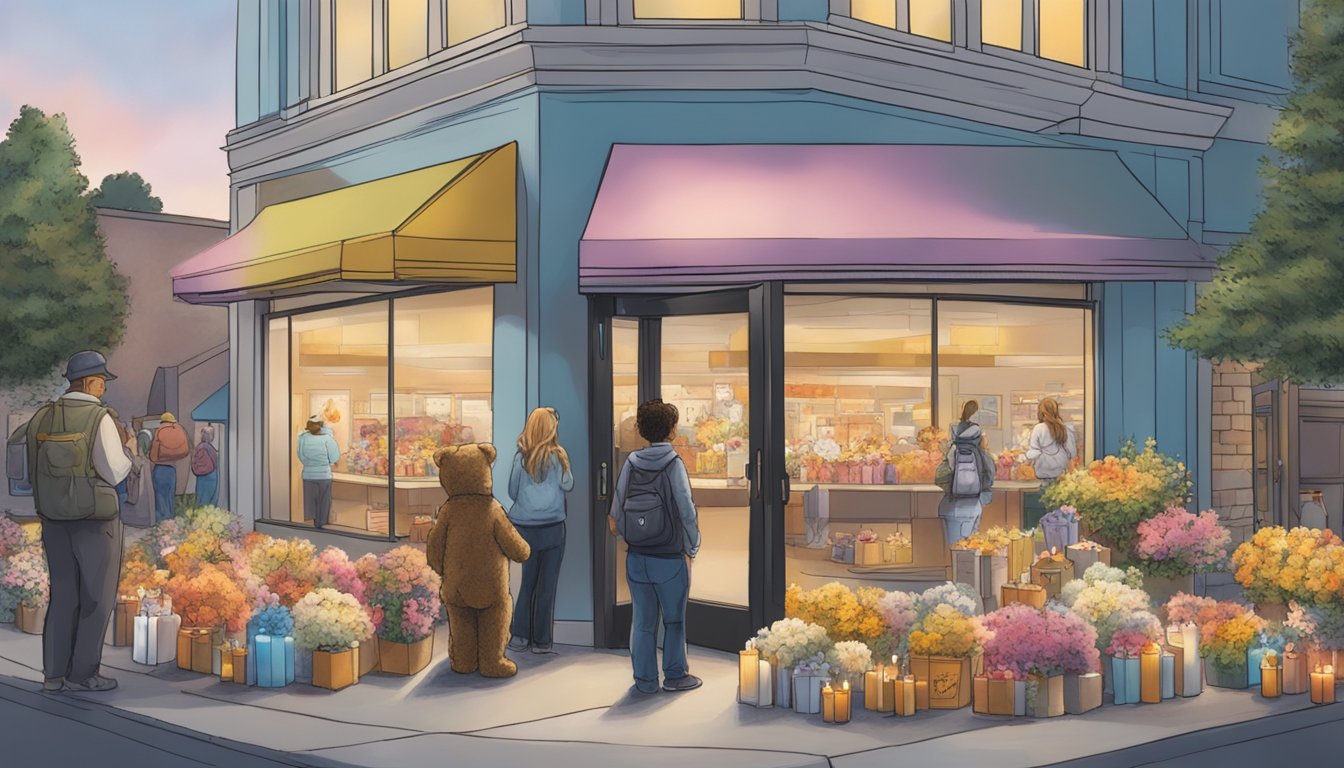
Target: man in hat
{"points": [[81, 532], [318, 452], [171, 444]]}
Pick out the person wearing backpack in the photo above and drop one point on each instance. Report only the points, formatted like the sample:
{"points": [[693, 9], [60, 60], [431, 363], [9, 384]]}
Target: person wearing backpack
{"points": [[966, 476], [205, 466], [538, 482], [171, 444], [652, 510], [76, 460]]}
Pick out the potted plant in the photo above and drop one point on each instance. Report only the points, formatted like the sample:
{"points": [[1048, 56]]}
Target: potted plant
{"points": [[1175, 545], [209, 602], [335, 570], [1224, 644], [1105, 597], [945, 646], [784, 644], [24, 588], [852, 660], [1278, 565], [1042, 648], [407, 592], [331, 625]]}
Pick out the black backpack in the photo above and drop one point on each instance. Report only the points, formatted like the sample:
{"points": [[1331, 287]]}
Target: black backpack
{"points": [[652, 525]]}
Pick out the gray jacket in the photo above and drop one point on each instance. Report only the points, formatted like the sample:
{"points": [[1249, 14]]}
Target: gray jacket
{"points": [[654, 458]]}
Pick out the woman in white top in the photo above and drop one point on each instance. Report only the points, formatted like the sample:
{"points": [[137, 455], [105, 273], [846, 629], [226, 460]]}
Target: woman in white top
{"points": [[1052, 446]]}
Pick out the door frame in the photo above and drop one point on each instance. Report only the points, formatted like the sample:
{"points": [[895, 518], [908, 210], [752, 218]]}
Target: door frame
{"points": [[712, 625], [1273, 457]]}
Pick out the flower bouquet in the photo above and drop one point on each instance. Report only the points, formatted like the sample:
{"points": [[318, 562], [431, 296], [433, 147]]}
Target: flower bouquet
{"points": [[843, 613], [809, 675], [1049, 649], [407, 591], [1225, 645], [13, 538], [945, 653], [897, 610], [1113, 495], [1132, 636], [287, 568], [1302, 564], [208, 601], [1060, 527], [24, 591], [784, 644], [332, 625], [1177, 544], [852, 659]]}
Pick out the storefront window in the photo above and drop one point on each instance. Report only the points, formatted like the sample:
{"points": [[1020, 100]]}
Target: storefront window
{"points": [[467, 19], [1063, 31], [624, 407], [688, 9], [443, 378], [407, 32], [931, 18], [334, 363], [354, 42], [1001, 23], [1008, 358], [856, 390]]}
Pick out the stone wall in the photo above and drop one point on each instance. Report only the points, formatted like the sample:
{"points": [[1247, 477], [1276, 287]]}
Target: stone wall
{"points": [[1232, 489]]}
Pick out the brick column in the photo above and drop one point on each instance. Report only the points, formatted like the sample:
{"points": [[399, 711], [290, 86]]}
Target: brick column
{"points": [[1231, 440]]}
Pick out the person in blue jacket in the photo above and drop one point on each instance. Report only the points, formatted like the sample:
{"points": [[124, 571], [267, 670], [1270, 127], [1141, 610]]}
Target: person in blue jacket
{"points": [[317, 451], [537, 484]]}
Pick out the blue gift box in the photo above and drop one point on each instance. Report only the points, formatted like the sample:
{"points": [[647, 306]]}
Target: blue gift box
{"points": [[270, 661]]}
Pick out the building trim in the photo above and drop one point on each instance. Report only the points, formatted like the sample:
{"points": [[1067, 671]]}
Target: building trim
{"points": [[164, 218]]}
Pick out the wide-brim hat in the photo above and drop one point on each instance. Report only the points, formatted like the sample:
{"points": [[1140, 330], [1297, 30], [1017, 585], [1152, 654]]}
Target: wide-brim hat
{"points": [[87, 363]]}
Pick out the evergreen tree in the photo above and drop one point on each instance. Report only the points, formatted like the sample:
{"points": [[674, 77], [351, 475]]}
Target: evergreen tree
{"points": [[1278, 294], [125, 191], [59, 293]]}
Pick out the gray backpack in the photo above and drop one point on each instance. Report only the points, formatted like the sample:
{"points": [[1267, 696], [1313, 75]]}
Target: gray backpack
{"points": [[60, 463]]}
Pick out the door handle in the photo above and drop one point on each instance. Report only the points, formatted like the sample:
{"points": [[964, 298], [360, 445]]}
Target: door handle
{"points": [[756, 467], [785, 490], [602, 481]]}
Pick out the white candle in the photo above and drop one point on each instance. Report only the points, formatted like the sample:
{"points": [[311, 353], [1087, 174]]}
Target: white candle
{"points": [[766, 697], [1190, 656]]}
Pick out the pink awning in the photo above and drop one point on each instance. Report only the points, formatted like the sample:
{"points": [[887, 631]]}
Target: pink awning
{"points": [[718, 214]]}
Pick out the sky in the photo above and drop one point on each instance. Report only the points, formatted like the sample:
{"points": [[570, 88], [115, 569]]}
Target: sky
{"points": [[146, 86]]}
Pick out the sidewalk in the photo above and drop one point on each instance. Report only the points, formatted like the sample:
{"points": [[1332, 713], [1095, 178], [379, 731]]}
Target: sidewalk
{"points": [[576, 708]]}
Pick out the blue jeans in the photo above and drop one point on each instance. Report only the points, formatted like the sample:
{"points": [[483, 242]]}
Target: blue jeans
{"points": [[207, 489], [534, 614], [657, 585], [165, 491]]}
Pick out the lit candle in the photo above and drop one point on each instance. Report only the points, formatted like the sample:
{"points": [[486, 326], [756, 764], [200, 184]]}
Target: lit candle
{"points": [[828, 703], [1168, 675], [842, 704], [1150, 674], [225, 663], [748, 675], [240, 665], [921, 692], [1271, 677], [1323, 685], [1192, 673]]}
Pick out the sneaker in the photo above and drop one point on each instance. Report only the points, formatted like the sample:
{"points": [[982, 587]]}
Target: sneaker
{"points": [[518, 644], [683, 683], [95, 684], [53, 685], [647, 689], [542, 649]]}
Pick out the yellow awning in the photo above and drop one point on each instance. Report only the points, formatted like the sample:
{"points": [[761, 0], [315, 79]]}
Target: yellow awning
{"points": [[449, 223]]}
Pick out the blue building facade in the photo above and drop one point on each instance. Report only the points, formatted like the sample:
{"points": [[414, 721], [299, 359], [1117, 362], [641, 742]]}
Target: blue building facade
{"points": [[1151, 115]]}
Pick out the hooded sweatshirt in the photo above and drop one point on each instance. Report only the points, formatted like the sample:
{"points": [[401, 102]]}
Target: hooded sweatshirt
{"points": [[538, 502], [654, 458], [1049, 458]]}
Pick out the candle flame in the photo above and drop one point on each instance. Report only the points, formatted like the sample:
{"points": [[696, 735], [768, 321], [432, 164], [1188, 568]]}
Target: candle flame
{"points": [[1329, 669], [846, 687]]}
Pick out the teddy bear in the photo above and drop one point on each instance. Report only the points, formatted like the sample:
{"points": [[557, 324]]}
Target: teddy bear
{"points": [[470, 546]]}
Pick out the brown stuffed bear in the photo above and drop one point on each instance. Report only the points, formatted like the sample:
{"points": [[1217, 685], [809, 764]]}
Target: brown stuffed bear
{"points": [[470, 547]]}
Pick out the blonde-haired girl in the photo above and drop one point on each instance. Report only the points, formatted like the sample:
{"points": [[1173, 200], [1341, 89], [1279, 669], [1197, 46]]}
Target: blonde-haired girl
{"points": [[537, 484]]}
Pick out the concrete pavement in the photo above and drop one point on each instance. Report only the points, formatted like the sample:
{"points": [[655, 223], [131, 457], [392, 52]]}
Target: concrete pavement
{"points": [[576, 708]]}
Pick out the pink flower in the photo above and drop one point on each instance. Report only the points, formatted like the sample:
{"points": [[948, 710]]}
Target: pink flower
{"points": [[1192, 543]]}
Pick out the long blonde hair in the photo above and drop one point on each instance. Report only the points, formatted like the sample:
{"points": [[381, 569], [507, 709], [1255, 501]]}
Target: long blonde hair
{"points": [[540, 441], [1048, 414]]}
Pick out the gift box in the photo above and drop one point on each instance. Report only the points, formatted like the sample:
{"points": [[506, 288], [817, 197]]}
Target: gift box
{"points": [[868, 552], [1027, 594], [1060, 528], [1052, 572], [980, 695], [30, 619], [942, 682], [421, 525], [1049, 698], [271, 661], [1125, 680], [897, 551], [335, 670], [1295, 673], [194, 649], [1085, 554], [842, 547], [123, 624], [1002, 694], [154, 639], [1082, 693], [401, 658], [807, 693]]}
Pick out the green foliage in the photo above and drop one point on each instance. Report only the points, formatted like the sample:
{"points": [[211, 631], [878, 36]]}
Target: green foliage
{"points": [[1278, 295], [125, 191], [58, 291]]}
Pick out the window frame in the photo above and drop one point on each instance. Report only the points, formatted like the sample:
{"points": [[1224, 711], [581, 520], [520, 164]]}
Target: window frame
{"points": [[753, 11], [390, 299]]}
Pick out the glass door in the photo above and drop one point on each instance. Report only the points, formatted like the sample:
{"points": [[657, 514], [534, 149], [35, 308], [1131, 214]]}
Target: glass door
{"points": [[704, 354], [1267, 467]]}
